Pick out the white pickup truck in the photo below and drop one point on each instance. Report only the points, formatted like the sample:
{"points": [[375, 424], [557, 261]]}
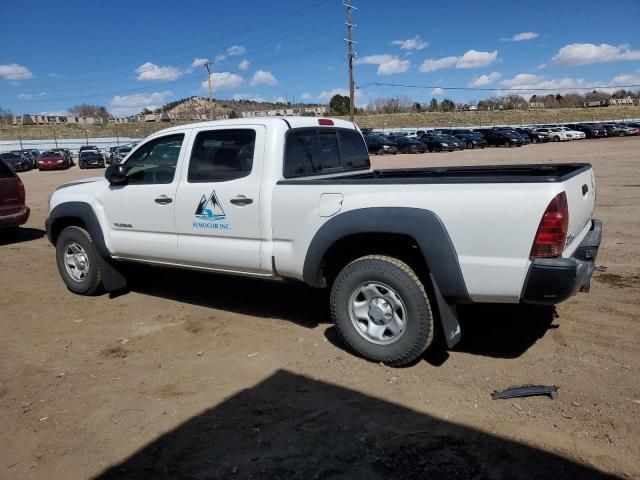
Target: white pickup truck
{"points": [[295, 198]]}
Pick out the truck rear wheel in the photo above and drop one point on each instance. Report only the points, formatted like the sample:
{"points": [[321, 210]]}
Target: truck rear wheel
{"points": [[381, 310], [77, 261]]}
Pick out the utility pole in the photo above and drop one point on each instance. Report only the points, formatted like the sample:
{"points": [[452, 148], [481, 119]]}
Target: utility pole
{"points": [[207, 65], [350, 55]]}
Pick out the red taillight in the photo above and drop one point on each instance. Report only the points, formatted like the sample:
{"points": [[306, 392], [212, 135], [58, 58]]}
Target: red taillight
{"points": [[552, 232], [325, 121], [21, 193]]}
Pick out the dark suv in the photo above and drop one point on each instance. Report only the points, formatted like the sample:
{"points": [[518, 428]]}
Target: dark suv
{"points": [[90, 158], [501, 137], [470, 138]]}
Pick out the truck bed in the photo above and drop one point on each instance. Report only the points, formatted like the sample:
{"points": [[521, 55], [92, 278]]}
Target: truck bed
{"points": [[533, 173]]}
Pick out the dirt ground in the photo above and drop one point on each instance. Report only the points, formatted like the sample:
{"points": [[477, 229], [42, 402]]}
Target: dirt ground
{"points": [[201, 376]]}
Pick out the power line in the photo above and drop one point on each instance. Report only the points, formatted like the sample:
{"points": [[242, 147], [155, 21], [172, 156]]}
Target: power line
{"points": [[495, 89]]}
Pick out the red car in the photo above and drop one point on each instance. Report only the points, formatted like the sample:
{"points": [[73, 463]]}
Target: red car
{"points": [[13, 211], [52, 161]]}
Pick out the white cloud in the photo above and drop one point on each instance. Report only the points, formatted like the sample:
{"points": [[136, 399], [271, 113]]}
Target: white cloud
{"points": [[431, 65], [223, 81], [519, 37], [236, 50], [437, 91], [262, 77], [220, 58], [25, 96], [387, 64], [244, 65], [587, 53], [528, 84], [54, 113], [13, 71], [470, 59], [415, 43], [151, 72], [328, 94], [483, 80], [306, 96], [132, 104], [627, 79], [476, 59], [198, 62], [248, 96], [279, 99]]}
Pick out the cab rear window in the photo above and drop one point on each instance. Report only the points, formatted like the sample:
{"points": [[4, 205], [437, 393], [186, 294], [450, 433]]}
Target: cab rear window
{"points": [[318, 151]]}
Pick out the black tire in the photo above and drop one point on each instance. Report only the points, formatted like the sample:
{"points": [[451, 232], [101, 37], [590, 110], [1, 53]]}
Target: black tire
{"points": [[556, 139], [381, 151], [417, 333], [534, 140], [470, 146], [81, 165], [92, 282]]}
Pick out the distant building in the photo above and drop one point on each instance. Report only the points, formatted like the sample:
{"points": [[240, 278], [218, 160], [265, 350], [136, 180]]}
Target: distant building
{"points": [[317, 111], [629, 101]]}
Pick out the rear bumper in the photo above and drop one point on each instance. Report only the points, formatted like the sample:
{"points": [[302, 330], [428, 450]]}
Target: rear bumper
{"points": [[553, 280], [16, 219]]}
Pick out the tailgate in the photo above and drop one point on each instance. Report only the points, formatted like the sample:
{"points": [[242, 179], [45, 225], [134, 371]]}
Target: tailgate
{"points": [[581, 197]]}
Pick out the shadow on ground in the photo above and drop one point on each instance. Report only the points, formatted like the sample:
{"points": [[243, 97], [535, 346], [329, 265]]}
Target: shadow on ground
{"points": [[294, 302], [502, 331], [292, 427], [19, 235]]}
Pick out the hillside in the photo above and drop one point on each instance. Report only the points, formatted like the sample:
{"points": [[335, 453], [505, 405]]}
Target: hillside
{"points": [[139, 130]]}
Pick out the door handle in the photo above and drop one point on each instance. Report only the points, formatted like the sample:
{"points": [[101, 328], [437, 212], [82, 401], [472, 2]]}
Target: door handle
{"points": [[241, 201], [163, 200]]}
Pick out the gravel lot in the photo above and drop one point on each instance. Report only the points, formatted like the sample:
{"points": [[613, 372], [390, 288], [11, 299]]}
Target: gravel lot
{"points": [[201, 376]]}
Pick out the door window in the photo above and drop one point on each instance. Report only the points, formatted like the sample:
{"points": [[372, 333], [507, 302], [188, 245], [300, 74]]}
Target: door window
{"points": [[155, 162], [222, 155]]}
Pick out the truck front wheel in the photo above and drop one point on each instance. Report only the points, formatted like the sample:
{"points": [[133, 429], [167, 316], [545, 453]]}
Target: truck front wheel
{"points": [[77, 261], [381, 310]]}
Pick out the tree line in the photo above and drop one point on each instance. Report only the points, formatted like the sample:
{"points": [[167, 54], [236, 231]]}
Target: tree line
{"points": [[339, 104]]}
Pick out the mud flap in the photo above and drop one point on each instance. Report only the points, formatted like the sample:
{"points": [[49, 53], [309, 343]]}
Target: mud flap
{"points": [[112, 279], [448, 317]]}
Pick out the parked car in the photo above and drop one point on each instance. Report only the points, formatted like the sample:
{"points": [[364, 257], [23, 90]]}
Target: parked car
{"points": [[90, 158], [589, 129], [394, 247], [456, 142], [633, 127], [470, 138], [618, 129], [410, 145], [13, 211], [28, 154], [118, 154], [512, 132], [575, 134], [554, 134], [435, 142], [53, 160], [498, 138], [534, 137], [380, 145], [66, 153], [16, 161]]}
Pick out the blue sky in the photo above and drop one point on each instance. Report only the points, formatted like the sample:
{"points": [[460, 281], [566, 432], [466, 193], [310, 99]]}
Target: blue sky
{"points": [[130, 54]]}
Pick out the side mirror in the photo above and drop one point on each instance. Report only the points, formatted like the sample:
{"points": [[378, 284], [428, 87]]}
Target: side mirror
{"points": [[116, 174]]}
